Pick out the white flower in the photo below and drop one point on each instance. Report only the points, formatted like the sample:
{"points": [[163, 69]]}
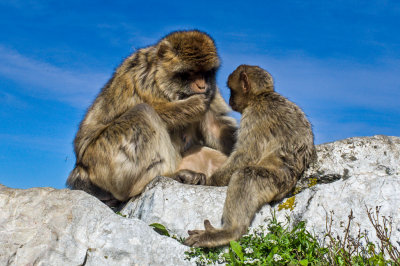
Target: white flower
{"points": [[277, 257], [203, 260], [252, 231], [248, 250], [221, 258], [256, 231], [273, 242], [250, 261]]}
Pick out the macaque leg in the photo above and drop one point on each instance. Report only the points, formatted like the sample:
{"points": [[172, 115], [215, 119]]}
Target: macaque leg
{"points": [[250, 188], [203, 160], [198, 164], [130, 153]]}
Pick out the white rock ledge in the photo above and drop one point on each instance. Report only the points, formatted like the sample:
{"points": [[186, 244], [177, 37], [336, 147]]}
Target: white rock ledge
{"points": [[45, 226], [350, 175]]}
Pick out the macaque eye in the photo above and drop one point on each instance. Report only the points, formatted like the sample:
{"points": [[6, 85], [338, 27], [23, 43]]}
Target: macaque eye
{"points": [[210, 73], [183, 76]]}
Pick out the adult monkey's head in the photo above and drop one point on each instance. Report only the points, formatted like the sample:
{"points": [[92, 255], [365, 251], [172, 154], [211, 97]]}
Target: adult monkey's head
{"points": [[187, 62]]}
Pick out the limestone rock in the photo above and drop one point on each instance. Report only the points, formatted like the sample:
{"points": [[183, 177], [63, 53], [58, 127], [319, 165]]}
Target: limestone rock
{"points": [[379, 155], [46, 226], [351, 174], [177, 206]]}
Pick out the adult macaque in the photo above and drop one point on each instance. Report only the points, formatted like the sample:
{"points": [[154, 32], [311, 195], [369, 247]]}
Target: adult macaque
{"points": [[161, 102]]}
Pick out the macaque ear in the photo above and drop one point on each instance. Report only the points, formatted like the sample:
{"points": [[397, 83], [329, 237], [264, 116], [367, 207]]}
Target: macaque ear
{"points": [[163, 48], [244, 81]]}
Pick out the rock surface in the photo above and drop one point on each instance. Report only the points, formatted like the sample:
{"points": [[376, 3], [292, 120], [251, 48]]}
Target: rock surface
{"points": [[46, 226], [351, 174]]}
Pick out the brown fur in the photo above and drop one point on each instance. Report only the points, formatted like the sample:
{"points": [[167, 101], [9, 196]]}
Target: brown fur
{"points": [[161, 101], [203, 160], [275, 145]]}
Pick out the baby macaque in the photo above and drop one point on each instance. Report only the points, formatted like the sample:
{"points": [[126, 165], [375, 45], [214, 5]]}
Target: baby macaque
{"points": [[275, 144]]}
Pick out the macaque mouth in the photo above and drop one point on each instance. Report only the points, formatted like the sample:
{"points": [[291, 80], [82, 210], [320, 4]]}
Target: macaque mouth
{"points": [[199, 91], [184, 95]]}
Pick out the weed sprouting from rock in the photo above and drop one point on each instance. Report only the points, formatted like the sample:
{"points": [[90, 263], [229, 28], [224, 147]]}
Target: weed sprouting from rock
{"points": [[291, 244]]}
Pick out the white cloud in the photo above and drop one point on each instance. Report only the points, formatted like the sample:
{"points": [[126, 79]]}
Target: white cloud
{"points": [[328, 90], [12, 100], [328, 82], [43, 80], [298, 77], [341, 98]]}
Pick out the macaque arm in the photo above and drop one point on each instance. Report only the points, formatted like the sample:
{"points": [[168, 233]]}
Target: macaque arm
{"points": [[218, 129], [182, 112], [223, 175]]}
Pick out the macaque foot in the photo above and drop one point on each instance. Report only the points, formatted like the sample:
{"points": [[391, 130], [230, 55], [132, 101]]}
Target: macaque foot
{"points": [[186, 176], [210, 237]]}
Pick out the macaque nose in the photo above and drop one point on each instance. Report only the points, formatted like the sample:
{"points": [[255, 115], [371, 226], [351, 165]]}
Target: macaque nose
{"points": [[199, 85]]}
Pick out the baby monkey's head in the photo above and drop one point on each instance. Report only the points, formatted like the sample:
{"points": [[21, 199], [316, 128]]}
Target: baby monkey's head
{"points": [[247, 82]]}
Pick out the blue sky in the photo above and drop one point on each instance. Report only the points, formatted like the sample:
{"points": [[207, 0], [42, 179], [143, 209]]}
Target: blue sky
{"points": [[338, 60]]}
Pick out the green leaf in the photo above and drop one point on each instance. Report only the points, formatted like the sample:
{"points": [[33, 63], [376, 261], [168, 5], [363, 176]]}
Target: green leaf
{"points": [[120, 214], [304, 262], [238, 249], [159, 228], [232, 257], [271, 254]]}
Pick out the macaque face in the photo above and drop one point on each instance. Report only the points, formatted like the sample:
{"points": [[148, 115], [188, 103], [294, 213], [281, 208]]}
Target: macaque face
{"points": [[232, 101], [187, 63], [237, 99], [191, 83]]}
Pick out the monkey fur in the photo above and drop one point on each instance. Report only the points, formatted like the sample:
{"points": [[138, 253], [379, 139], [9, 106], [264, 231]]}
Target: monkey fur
{"points": [[161, 102], [203, 160], [275, 144]]}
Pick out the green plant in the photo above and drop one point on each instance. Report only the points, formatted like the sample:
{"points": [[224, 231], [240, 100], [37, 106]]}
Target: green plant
{"points": [[383, 229], [278, 245], [351, 250], [159, 228], [292, 244], [120, 214]]}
